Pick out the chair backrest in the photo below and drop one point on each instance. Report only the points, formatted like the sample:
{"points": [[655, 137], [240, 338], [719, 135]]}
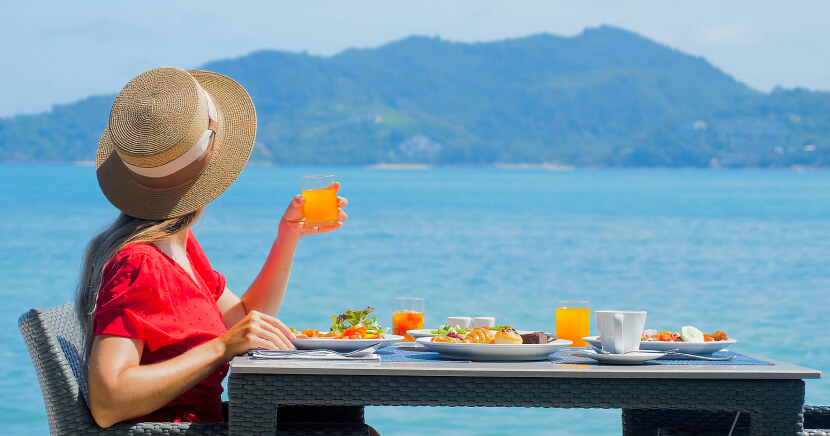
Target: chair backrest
{"points": [[55, 344]]}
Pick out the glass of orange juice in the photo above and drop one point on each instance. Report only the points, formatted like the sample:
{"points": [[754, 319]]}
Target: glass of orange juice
{"points": [[320, 208], [572, 321], [408, 315]]}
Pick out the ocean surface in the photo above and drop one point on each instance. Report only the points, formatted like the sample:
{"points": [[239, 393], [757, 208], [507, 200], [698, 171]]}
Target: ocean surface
{"points": [[746, 252]]}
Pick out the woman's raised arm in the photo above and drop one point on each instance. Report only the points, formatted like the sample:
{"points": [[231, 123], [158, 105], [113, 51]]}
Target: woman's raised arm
{"points": [[268, 289]]}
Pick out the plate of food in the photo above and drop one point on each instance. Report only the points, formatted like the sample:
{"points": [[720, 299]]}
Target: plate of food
{"points": [[689, 340], [502, 345], [447, 329], [349, 331]]}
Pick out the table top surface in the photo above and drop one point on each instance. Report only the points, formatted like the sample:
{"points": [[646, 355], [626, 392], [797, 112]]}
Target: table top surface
{"points": [[544, 368]]}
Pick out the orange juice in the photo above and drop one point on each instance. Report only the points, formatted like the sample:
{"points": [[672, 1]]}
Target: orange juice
{"points": [[320, 206], [572, 324], [407, 320]]}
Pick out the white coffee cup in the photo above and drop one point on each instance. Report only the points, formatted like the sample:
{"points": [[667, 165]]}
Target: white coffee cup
{"points": [[459, 322], [620, 331], [483, 321]]}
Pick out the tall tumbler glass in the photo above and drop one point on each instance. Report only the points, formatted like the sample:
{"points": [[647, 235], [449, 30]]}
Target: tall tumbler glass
{"points": [[408, 315], [572, 321], [320, 208]]}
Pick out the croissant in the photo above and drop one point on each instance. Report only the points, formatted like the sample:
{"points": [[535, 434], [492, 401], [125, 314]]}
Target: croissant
{"points": [[480, 335]]}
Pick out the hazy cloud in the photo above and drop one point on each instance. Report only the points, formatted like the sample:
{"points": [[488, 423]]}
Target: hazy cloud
{"points": [[729, 34]]}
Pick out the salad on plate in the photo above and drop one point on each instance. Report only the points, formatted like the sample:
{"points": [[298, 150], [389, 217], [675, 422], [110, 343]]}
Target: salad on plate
{"points": [[687, 334], [351, 330], [689, 340], [446, 329], [351, 324]]}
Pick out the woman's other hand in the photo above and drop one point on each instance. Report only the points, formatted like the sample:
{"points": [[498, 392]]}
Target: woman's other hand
{"points": [[294, 219], [256, 330]]}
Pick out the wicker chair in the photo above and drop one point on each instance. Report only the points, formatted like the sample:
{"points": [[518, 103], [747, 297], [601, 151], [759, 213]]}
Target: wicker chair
{"points": [[54, 340]]}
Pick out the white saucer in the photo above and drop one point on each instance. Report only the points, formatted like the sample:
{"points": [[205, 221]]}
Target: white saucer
{"points": [[621, 359]]}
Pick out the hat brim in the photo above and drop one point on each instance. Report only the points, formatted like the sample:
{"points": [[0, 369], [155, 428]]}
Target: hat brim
{"points": [[232, 147]]}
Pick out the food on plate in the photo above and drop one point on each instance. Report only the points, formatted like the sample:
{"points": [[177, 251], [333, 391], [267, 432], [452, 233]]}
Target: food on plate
{"points": [[687, 334], [351, 324], [691, 334], [483, 335], [535, 338], [663, 336], [507, 336], [717, 336], [446, 329], [446, 338], [479, 335]]}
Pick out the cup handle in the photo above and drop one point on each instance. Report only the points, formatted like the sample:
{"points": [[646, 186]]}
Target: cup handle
{"points": [[619, 342]]}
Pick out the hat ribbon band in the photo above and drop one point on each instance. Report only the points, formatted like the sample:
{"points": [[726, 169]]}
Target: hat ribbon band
{"points": [[183, 168]]}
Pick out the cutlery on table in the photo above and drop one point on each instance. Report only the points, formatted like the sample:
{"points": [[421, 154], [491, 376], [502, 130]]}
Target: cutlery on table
{"points": [[672, 352], [361, 352]]}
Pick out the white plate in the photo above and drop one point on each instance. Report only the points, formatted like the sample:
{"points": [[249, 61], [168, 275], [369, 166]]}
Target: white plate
{"points": [[699, 348], [342, 345], [621, 359], [496, 352]]}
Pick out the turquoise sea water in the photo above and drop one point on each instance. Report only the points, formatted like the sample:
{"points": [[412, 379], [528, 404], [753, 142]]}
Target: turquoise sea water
{"points": [[746, 252]]}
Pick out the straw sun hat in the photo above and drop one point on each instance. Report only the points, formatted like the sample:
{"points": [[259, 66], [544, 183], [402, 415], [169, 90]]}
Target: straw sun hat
{"points": [[175, 140]]}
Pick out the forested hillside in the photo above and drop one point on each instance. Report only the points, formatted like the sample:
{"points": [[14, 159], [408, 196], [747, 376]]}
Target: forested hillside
{"points": [[606, 97]]}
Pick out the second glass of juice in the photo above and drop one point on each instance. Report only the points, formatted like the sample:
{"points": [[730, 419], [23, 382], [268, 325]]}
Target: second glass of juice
{"points": [[408, 315], [320, 208], [572, 321]]}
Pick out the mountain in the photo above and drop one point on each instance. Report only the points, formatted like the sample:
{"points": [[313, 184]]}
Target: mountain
{"points": [[606, 97]]}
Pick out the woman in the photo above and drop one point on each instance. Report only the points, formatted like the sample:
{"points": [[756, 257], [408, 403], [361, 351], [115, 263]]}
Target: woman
{"points": [[160, 323]]}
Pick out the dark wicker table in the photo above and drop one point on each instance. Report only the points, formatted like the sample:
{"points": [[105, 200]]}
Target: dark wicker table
{"points": [[772, 395]]}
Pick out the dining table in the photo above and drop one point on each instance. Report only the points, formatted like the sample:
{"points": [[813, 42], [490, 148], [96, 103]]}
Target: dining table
{"points": [[651, 394]]}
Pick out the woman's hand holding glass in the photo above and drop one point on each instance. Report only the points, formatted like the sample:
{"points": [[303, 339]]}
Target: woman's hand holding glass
{"points": [[256, 330], [294, 218]]}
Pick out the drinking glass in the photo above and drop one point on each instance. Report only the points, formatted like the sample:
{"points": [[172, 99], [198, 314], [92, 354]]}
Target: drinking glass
{"points": [[320, 208], [408, 315], [572, 321]]}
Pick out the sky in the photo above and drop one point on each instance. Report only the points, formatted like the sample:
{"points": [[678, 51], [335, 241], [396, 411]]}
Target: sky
{"points": [[59, 52]]}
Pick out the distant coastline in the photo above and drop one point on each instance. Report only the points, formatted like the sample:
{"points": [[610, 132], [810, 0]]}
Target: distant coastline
{"points": [[387, 166], [499, 166], [606, 98], [529, 166]]}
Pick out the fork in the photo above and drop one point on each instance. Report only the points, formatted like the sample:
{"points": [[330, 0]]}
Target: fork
{"points": [[360, 352]]}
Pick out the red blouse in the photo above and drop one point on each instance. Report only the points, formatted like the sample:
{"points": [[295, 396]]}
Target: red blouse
{"points": [[147, 296]]}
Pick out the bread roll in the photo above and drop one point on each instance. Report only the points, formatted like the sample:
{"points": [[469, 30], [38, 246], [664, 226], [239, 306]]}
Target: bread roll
{"points": [[508, 336]]}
